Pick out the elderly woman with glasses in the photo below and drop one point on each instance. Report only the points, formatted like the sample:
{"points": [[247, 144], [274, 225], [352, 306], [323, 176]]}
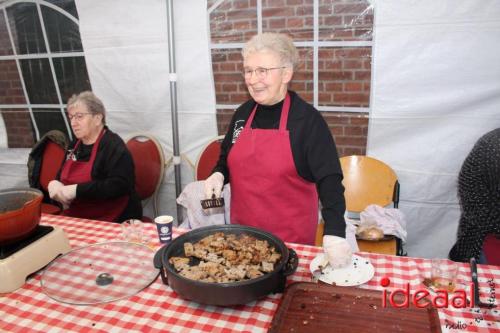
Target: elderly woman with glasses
{"points": [[97, 179], [279, 155]]}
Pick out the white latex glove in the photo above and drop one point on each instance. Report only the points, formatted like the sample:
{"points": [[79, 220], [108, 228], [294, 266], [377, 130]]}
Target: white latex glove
{"points": [[54, 187], [213, 185], [67, 194], [337, 251]]}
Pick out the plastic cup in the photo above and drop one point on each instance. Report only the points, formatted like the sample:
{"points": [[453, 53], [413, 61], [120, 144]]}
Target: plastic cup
{"points": [[164, 227], [132, 231], [444, 274]]}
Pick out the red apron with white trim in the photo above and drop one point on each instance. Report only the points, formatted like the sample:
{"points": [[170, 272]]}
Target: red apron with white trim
{"points": [[266, 190], [78, 172]]}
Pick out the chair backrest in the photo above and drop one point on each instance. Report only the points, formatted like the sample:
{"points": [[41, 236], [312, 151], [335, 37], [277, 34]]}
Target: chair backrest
{"points": [[208, 158], [149, 163], [52, 159], [368, 181], [491, 248]]}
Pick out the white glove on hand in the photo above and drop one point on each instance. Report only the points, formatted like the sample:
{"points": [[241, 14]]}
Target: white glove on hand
{"points": [[54, 187], [213, 185], [337, 251], [67, 194]]}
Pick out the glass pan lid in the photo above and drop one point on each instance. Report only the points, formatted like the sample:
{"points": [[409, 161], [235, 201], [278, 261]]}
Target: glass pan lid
{"points": [[100, 273]]}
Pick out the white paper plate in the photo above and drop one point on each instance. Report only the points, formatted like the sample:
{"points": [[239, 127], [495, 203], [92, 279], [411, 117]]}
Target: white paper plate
{"points": [[358, 272]]}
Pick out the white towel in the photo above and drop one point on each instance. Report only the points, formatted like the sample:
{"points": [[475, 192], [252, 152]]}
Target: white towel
{"points": [[390, 220], [194, 215]]}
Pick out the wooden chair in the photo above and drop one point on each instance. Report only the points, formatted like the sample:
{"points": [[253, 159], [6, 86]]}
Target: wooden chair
{"points": [[149, 163], [368, 181], [208, 158]]}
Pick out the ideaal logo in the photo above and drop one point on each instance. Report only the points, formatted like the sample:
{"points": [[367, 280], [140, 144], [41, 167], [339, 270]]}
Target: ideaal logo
{"points": [[420, 297]]}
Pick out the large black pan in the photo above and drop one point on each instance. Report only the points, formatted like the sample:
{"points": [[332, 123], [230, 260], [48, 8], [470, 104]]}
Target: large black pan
{"points": [[225, 294]]}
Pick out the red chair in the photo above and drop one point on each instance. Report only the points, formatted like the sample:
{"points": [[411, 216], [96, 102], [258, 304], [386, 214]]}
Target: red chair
{"points": [[208, 158], [149, 162], [491, 249], [53, 157]]}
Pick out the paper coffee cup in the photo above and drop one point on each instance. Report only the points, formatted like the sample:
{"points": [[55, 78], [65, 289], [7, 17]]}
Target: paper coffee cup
{"points": [[164, 227]]}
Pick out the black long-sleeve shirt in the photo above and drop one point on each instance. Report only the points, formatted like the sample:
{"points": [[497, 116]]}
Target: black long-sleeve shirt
{"points": [[313, 149], [112, 174]]}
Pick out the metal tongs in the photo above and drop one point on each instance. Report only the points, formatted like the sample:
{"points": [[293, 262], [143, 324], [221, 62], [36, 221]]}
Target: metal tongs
{"points": [[214, 202], [477, 300]]}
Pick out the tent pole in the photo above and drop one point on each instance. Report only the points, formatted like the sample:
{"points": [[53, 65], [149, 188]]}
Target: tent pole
{"points": [[173, 104]]}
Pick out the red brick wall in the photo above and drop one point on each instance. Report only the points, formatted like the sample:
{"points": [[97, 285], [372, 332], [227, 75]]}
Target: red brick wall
{"points": [[227, 67], [17, 121], [350, 130], [344, 76], [19, 128], [234, 21], [344, 73]]}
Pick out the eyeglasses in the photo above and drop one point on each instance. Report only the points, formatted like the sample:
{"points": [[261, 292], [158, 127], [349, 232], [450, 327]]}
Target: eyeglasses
{"points": [[260, 72], [77, 116]]}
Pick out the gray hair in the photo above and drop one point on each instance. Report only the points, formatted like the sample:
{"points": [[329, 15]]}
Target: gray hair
{"points": [[93, 104], [281, 44]]}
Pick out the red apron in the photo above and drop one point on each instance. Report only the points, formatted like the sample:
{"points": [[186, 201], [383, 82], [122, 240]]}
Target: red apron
{"points": [[266, 190], [77, 172]]}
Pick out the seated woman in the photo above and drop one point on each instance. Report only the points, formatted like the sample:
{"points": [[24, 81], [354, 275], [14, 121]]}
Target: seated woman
{"points": [[479, 197], [97, 179]]}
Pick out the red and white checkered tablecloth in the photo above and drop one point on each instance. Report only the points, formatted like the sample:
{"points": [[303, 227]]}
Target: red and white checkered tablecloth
{"points": [[158, 308]]}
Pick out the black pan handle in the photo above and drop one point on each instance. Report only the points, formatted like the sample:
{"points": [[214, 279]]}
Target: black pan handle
{"points": [[157, 261], [473, 269], [292, 263]]}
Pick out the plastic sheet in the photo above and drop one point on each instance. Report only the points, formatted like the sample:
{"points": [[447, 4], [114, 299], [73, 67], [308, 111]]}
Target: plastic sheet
{"points": [[435, 92]]}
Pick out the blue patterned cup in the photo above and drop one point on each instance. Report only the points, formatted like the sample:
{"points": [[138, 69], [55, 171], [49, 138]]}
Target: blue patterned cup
{"points": [[164, 227]]}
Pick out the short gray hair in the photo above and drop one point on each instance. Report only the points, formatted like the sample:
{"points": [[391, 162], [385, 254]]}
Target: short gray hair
{"points": [[93, 104], [281, 44]]}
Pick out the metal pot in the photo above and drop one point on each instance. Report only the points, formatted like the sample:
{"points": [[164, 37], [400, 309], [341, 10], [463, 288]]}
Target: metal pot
{"points": [[20, 211], [225, 294]]}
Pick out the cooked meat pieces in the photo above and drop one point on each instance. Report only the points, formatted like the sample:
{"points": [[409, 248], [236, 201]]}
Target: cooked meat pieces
{"points": [[229, 255], [236, 273], [227, 258], [188, 249], [179, 262], [274, 257], [213, 257], [253, 273], [267, 266], [193, 273]]}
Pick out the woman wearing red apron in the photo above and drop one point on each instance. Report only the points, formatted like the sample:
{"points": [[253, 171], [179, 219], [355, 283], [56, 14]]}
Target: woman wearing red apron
{"points": [[97, 179], [278, 155]]}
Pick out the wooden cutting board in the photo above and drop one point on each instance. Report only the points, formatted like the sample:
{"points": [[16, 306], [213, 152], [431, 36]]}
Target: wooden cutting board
{"points": [[316, 307]]}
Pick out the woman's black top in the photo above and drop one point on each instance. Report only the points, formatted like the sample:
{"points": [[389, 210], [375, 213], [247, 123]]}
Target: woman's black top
{"points": [[112, 174]]}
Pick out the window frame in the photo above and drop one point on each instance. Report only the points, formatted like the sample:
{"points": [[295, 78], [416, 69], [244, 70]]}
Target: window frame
{"points": [[314, 44], [61, 106]]}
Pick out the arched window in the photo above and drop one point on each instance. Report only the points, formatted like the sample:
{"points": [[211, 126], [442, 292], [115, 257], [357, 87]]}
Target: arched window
{"points": [[41, 65]]}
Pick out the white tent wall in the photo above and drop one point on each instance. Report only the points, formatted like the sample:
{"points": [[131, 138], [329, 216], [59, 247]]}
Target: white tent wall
{"points": [[126, 51], [435, 91]]}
